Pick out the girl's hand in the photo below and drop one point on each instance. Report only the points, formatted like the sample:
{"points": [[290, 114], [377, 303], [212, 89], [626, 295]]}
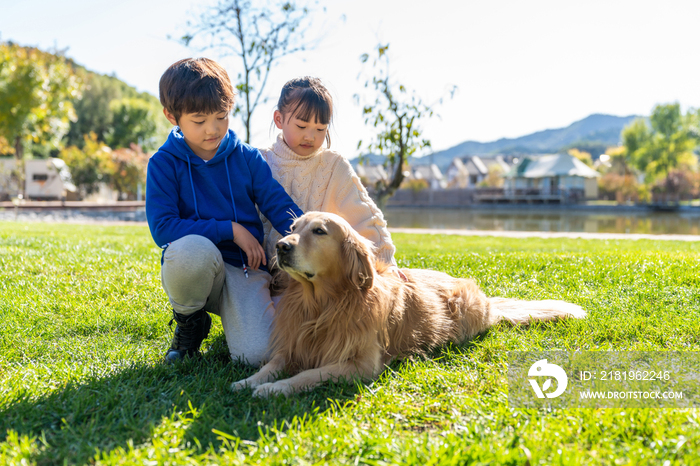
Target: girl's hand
{"points": [[397, 271], [246, 241]]}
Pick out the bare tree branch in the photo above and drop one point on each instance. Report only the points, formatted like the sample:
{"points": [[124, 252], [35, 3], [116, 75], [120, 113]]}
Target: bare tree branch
{"points": [[260, 36], [395, 119]]}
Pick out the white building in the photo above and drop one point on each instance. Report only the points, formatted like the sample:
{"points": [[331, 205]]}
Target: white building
{"points": [[44, 179], [551, 174]]}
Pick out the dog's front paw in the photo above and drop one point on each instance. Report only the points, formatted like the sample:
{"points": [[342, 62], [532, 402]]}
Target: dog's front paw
{"points": [[243, 384], [274, 388]]}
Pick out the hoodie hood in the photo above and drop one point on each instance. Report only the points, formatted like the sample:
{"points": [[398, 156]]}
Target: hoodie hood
{"points": [[177, 146]]}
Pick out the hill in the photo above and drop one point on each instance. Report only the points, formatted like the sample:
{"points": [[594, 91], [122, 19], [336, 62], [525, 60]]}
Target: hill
{"points": [[595, 131], [116, 112]]}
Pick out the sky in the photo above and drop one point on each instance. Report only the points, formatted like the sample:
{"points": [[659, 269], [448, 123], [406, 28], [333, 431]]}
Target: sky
{"points": [[519, 66]]}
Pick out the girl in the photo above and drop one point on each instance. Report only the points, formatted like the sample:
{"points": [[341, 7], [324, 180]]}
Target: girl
{"points": [[315, 177]]}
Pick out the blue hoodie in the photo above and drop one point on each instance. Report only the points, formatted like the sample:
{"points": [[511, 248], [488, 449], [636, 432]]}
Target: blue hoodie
{"points": [[186, 195]]}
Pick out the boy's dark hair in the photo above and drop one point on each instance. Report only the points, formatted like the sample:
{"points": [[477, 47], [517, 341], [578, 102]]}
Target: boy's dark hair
{"points": [[307, 98], [196, 85]]}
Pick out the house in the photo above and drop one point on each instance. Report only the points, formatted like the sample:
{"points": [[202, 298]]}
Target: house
{"points": [[555, 174], [496, 164], [44, 179], [477, 169], [431, 174], [472, 171], [371, 174], [47, 179], [456, 174]]}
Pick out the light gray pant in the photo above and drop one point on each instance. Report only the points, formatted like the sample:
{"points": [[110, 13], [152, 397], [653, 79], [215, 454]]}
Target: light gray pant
{"points": [[195, 276]]}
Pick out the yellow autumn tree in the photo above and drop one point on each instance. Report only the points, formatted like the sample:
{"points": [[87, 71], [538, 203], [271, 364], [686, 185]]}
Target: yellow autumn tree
{"points": [[583, 156], [88, 166]]}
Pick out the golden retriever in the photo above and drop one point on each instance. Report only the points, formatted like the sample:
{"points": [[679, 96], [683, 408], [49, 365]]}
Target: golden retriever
{"points": [[345, 314]]}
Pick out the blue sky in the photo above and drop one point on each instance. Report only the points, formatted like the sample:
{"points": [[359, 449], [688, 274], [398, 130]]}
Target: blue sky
{"points": [[520, 66]]}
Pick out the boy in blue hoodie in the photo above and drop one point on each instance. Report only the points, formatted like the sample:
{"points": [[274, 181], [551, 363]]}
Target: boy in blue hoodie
{"points": [[202, 189]]}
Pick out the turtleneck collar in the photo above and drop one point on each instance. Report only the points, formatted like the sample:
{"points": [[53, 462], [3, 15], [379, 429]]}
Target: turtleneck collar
{"points": [[282, 150]]}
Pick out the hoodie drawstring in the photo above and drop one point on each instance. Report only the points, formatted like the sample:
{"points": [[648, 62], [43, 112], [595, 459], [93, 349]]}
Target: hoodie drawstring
{"points": [[235, 215], [189, 170], [233, 203]]}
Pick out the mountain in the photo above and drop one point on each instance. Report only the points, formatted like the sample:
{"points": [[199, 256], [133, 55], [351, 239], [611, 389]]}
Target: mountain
{"points": [[595, 131]]}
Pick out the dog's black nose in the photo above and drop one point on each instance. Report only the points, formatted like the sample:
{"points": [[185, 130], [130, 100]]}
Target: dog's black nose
{"points": [[283, 247]]}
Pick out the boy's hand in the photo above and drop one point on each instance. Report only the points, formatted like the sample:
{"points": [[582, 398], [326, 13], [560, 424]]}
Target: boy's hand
{"points": [[246, 241], [397, 271]]}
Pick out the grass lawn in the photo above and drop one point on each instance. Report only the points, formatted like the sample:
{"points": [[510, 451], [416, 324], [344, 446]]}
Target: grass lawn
{"points": [[84, 326]]}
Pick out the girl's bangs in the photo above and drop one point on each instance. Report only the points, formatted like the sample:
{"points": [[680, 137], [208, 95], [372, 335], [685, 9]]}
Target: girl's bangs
{"points": [[310, 106]]}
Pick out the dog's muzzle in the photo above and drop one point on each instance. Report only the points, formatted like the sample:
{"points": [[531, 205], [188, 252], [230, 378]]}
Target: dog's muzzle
{"points": [[285, 258], [284, 253]]}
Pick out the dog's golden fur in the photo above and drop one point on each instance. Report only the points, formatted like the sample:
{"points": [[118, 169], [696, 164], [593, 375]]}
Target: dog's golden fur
{"points": [[345, 314]]}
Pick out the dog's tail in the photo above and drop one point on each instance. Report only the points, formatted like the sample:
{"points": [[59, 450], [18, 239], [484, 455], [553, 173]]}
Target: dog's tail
{"points": [[517, 311]]}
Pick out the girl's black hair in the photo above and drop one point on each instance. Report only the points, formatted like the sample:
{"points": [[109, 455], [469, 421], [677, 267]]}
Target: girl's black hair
{"points": [[307, 98]]}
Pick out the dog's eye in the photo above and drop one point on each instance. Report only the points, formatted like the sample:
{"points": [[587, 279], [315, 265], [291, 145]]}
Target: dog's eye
{"points": [[319, 231], [291, 229]]}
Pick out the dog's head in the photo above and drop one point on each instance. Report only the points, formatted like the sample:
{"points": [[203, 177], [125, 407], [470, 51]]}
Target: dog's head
{"points": [[323, 247]]}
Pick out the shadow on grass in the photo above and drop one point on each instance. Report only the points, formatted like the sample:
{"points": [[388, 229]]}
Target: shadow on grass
{"points": [[140, 403], [135, 404]]}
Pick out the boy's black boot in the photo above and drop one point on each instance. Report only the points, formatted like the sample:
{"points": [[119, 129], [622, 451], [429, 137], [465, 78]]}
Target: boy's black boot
{"points": [[190, 331]]}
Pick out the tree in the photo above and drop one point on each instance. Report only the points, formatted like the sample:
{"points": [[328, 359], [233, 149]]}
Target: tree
{"points": [[117, 113], [395, 114], [259, 36], [127, 170], [88, 166], [36, 93], [619, 180], [123, 169], [135, 121], [494, 178], [664, 144], [617, 161], [678, 184], [583, 156], [92, 110]]}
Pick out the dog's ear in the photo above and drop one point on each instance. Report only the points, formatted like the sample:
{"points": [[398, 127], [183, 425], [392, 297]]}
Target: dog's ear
{"points": [[359, 258]]}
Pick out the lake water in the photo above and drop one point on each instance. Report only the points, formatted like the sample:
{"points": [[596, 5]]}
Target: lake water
{"points": [[547, 219]]}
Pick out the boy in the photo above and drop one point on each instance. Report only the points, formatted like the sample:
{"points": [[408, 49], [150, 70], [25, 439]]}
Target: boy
{"points": [[202, 188]]}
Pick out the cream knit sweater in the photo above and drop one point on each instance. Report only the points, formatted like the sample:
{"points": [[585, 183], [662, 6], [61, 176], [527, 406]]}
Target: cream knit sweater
{"points": [[325, 181]]}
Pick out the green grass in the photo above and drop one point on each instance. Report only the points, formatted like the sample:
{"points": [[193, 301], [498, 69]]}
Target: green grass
{"points": [[84, 326]]}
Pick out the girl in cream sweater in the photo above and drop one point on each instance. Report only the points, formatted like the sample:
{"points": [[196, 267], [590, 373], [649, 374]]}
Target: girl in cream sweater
{"points": [[315, 177]]}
